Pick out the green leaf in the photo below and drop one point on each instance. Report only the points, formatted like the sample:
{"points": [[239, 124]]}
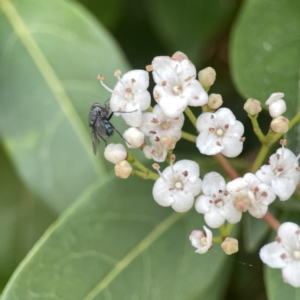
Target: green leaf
{"points": [[265, 56], [108, 12], [189, 26], [116, 242], [277, 289], [23, 219], [51, 54], [254, 230]]}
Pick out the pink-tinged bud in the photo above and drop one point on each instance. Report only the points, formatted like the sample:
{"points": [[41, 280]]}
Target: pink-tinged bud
{"points": [[179, 56], [168, 142], [241, 202], [207, 77], [134, 137], [252, 107], [230, 246], [123, 169], [280, 125], [214, 101], [115, 153]]}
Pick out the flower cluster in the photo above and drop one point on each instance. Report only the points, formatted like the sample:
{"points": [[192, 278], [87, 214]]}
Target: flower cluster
{"points": [[179, 186]]}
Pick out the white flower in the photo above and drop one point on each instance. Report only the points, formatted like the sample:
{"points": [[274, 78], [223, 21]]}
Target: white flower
{"points": [[130, 95], [281, 173], [177, 85], [276, 104], [259, 195], [216, 203], [157, 123], [178, 185], [284, 253], [115, 153], [220, 132], [134, 137], [156, 151], [200, 240]]}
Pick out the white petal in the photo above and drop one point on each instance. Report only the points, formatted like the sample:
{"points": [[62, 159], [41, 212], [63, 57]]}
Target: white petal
{"points": [[274, 97], [143, 99], [226, 115], [137, 79], [265, 174], [202, 204], [205, 121], [283, 187], [258, 210], [207, 143], [232, 146], [287, 233], [270, 255], [182, 201], [195, 93], [164, 69], [213, 218], [212, 183], [291, 273], [235, 129]]}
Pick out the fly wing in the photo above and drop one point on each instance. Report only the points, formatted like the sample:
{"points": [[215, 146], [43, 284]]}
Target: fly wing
{"points": [[95, 141]]}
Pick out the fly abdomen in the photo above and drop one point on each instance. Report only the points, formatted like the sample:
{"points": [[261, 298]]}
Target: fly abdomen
{"points": [[108, 127]]}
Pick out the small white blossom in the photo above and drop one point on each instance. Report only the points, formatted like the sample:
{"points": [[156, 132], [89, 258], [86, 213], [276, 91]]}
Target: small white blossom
{"points": [[178, 185], [216, 203], [220, 132], [134, 137], [156, 151], [259, 194], [284, 253], [158, 124], [202, 241], [130, 95], [281, 173], [276, 104], [115, 153], [176, 84]]}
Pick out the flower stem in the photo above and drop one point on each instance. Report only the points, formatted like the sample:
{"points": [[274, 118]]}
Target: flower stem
{"points": [[272, 221], [189, 137], [232, 173], [260, 158], [217, 239], [145, 175], [229, 228], [256, 128], [190, 115], [143, 171]]}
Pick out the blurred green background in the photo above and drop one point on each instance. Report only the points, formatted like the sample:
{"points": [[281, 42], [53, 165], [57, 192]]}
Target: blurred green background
{"points": [[51, 53]]}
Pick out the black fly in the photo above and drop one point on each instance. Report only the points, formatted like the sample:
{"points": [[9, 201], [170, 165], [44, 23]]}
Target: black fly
{"points": [[101, 127]]}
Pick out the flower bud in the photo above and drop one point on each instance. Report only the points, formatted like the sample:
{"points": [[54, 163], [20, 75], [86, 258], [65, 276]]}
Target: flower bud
{"points": [[214, 101], [241, 202], [252, 107], [179, 56], [276, 104], [134, 137], [277, 108], [280, 125], [230, 246], [123, 169], [168, 142], [115, 153], [207, 77]]}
